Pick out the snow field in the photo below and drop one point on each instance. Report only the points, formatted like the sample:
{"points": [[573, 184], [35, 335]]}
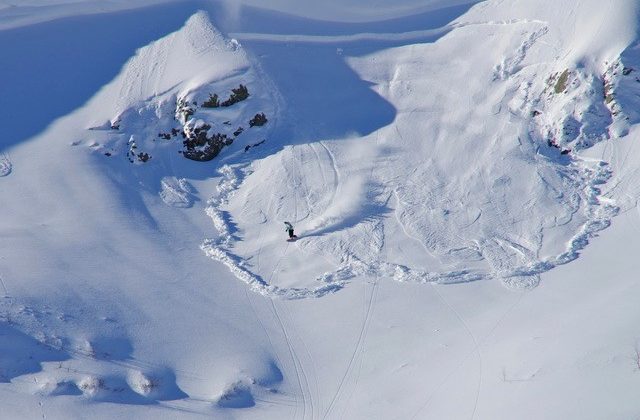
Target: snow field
{"points": [[412, 165]]}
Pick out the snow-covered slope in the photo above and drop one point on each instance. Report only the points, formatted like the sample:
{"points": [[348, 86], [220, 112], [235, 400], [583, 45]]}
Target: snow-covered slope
{"points": [[441, 168], [475, 178]]}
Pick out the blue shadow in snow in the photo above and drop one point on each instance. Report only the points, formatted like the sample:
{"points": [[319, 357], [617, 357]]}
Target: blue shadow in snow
{"points": [[21, 354], [50, 69], [325, 97], [238, 396], [107, 348], [272, 22]]}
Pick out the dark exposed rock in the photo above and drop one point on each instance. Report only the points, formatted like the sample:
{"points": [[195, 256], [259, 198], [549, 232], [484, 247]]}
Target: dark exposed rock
{"points": [[212, 102], [238, 94], [258, 120], [200, 146], [249, 146]]}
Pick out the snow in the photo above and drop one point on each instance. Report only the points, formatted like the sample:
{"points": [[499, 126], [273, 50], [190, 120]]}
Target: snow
{"points": [[461, 175]]}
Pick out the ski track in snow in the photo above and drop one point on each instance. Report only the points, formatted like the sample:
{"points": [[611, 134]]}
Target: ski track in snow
{"points": [[511, 65], [475, 349], [514, 260], [355, 361], [478, 344], [219, 248], [599, 209]]}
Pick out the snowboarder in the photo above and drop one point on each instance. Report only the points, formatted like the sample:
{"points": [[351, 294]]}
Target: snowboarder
{"points": [[289, 228]]}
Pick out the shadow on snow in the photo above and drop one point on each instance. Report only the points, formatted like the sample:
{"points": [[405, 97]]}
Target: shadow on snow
{"points": [[50, 69]]}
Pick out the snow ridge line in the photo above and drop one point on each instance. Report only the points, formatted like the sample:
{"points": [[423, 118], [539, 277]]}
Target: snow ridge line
{"points": [[373, 36], [330, 39], [219, 249]]}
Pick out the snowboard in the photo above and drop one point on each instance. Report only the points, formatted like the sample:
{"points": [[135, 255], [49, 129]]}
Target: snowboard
{"points": [[295, 238]]}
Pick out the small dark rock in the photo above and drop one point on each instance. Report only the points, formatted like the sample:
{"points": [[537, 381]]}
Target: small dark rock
{"points": [[212, 102], [238, 94], [258, 120], [249, 146]]}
